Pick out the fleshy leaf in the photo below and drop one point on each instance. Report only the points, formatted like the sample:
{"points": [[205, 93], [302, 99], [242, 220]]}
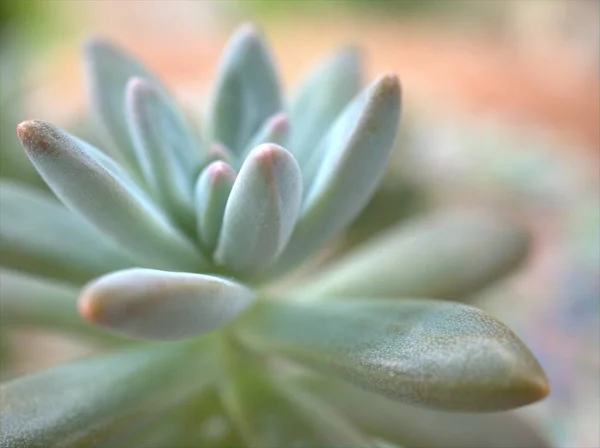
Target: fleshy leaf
{"points": [[212, 191], [431, 353], [38, 302], [108, 69], [150, 304], [423, 428], [39, 235], [82, 404], [449, 256], [268, 413], [321, 98], [347, 167], [261, 211], [274, 130], [247, 90], [114, 206], [165, 147]]}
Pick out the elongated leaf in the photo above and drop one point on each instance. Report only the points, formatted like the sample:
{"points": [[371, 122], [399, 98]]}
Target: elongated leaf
{"points": [[212, 191], [247, 90], [83, 403], [165, 147], [261, 211], [150, 304], [33, 301], [39, 235], [274, 130], [431, 353], [108, 69], [271, 414], [424, 428], [347, 167], [450, 256], [114, 206], [320, 98]]}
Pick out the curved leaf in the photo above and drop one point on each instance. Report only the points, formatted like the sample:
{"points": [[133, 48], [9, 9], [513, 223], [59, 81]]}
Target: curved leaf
{"points": [[451, 256], [247, 90], [165, 147], [114, 206], [321, 98], [34, 301], [271, 414], [261, 210], [150, 304], [344, 171], [424, 428], [39, 235], [431, 353], [274, 130], [82, 404], [212, 191], [108, 69]]}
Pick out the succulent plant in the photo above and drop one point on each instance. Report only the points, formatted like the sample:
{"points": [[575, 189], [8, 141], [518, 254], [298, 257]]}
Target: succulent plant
{"points": [[171, 247]]}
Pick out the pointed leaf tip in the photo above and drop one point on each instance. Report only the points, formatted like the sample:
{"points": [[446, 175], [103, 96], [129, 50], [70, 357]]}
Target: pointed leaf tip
{"points": [[160, 305]]}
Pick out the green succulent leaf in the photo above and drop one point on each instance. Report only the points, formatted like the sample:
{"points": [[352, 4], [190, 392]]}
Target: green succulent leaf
{"points": [[274, 130], [33, 301], [212, 191], [84, 403], [261, 210], [431, 353], [347, 167], [150, 304], [448, 256], [423, 428], [321, 97], [247, 90], [40, 236], [165, 147], [268, 413], [119, 208], [108, 70]]}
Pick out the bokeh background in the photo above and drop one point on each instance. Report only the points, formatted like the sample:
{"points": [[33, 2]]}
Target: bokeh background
{"points": [[501, 109]]}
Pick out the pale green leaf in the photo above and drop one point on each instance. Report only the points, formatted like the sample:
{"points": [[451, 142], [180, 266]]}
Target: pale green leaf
{"points": [[247, 90], [212, 191], [83, 404], [261, 210], [39, 235], [150, 304], [345, 170], [432, 353], [423, 428], [320, 99], [449, 256], [274, 130], [116, 207]]}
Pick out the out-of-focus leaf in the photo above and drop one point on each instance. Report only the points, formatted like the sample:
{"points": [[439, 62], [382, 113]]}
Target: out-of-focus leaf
{"points": [[108, 69], [261, 210], [39, 235], [274, 130], [268, 413], [167, 150], [247, 90], [344, 171], [84, 403], [111, 204], [150, 304], [424, 428], [34, 301], [211, 194], [435, 354], [450, 256], [320, 99]]}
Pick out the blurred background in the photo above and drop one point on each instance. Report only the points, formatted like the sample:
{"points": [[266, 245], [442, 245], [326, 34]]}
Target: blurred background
{"points": [[501, 110]]}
